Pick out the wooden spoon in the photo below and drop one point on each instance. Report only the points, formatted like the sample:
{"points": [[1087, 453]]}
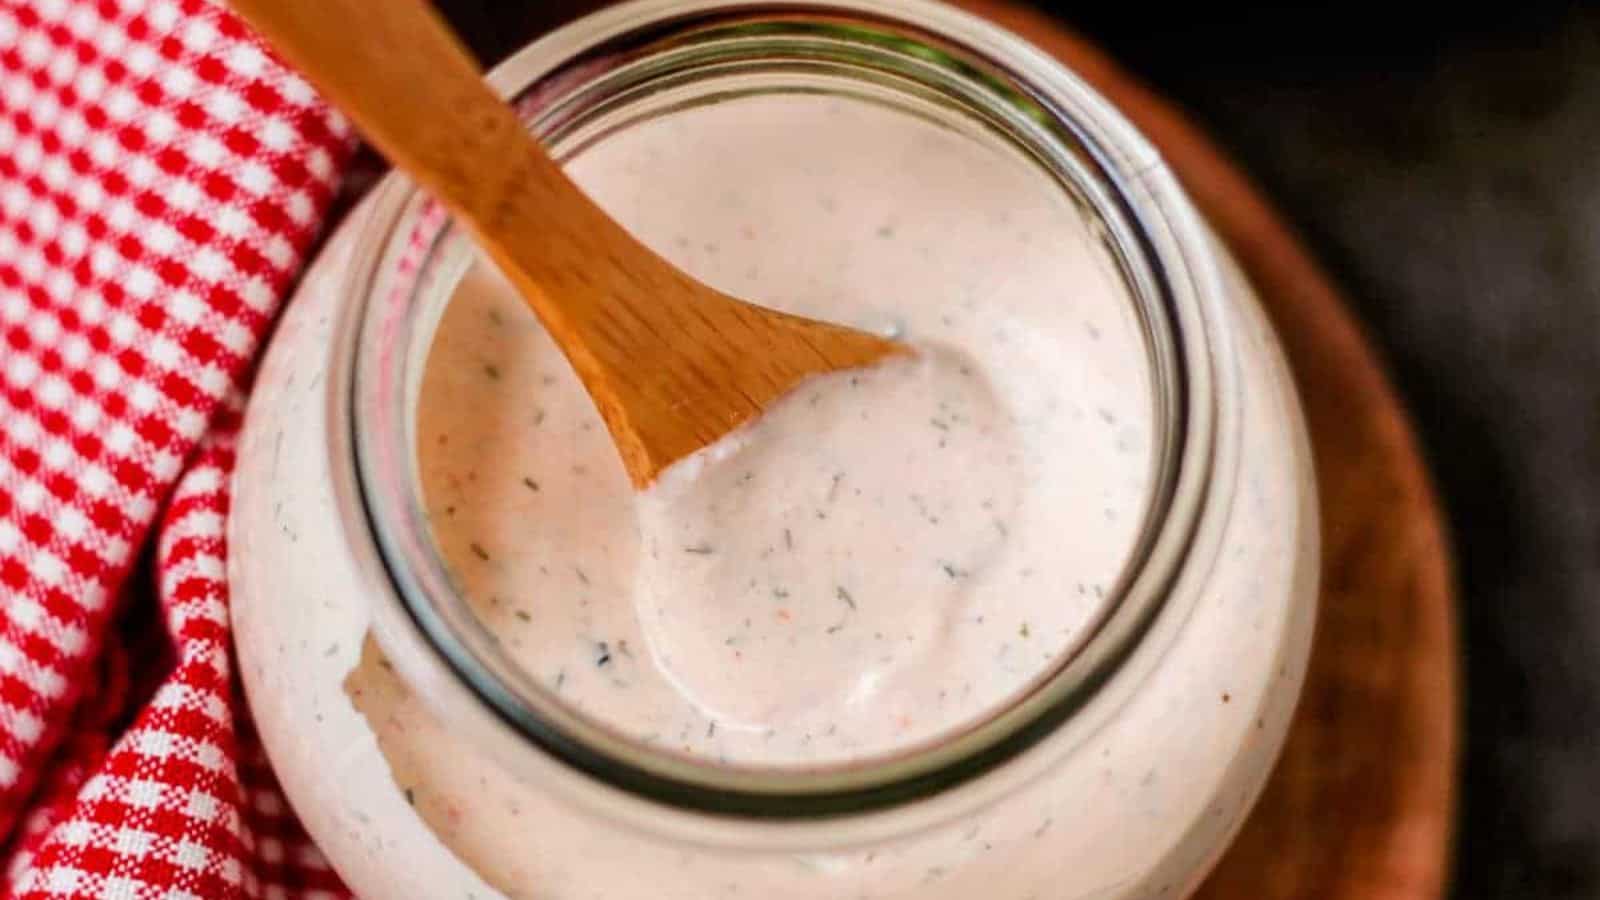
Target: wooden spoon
{"points": [[671, 364]]}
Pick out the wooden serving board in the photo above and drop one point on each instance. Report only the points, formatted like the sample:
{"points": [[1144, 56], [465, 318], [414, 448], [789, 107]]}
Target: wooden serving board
{"points": [[1362, 804]]}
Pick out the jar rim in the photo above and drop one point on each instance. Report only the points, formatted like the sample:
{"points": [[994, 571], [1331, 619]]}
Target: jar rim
{"points": [[1169, 263]]}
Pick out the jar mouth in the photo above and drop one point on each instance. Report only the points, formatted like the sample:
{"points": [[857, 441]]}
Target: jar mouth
{"points": [[635, 51]]}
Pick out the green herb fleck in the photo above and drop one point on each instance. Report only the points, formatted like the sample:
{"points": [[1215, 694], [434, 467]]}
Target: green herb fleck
{"points": [[700, 549], [478, 551], [845, 596], [530, 484], [524, 615]]}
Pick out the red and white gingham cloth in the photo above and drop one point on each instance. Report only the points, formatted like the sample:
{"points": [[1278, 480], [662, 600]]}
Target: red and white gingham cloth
{"points": [[161, 181]]}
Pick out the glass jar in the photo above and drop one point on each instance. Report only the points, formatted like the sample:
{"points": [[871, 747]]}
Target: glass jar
{"points": [[427, 762]]}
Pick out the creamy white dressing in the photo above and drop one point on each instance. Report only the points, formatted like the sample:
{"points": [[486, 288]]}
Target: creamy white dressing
{"points": [[889, 553]]}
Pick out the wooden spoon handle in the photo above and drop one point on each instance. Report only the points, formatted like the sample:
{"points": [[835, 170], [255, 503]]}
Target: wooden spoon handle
{"points": [[412, 88], [396, 68]]}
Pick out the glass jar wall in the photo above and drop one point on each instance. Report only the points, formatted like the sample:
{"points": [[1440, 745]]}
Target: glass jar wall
{"points": [[437, 566]]}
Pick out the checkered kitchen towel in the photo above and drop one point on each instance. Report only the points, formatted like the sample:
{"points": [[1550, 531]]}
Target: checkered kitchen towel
{"points": [[162, 179]]}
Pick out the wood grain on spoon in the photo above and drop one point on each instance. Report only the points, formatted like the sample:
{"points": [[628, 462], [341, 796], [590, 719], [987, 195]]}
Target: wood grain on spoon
{"points": [[672, 365]]}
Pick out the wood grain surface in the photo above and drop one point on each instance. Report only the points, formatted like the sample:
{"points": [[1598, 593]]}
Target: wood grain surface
{"points": [[1362, 804]]}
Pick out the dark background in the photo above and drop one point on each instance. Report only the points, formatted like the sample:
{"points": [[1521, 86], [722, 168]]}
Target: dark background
{"points": [[1447, 171]]}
